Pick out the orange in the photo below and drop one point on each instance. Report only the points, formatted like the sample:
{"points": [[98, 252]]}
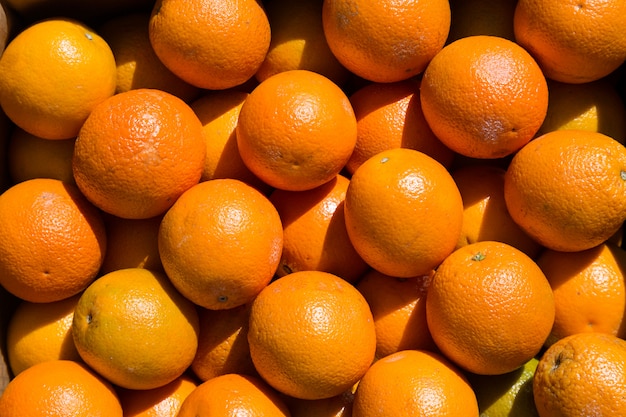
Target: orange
{"points": [[132, 243], [164, 401], [399, 309], [52, 242], [137, 152], [595, 106], [296, 130], [489, 308], [382, 43], [485, 215], [62, 388], [574, 42], [582, 375], [298, 41], [414, 383], [220, 243], [218, 112], [212, 44], [484, 96], [567, 189], [133, 328], [311, 335], [481, 17], [337, 406], [137, 64], [233, 394], [389, 115], [39, 332], [589, 290], [52, 74], [403, 212], [223, 343], [30, 156], [314, 231]]}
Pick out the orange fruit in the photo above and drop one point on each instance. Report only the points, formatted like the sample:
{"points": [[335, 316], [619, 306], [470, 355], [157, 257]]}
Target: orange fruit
{"points": [[485, 215], [314, 231], [30, 157], [414, 383], [164, 401], [311, 335], [595, 106], [296, 130], [220, 243], [484, 96], [62, 388], [337, 406], [489, 308], [589, 290], [481, 17], [223, 343], [389, 115], [403, 212], [131, 243], [137, 64], [399, 309], [39, 332], [124, 326], [385, 44], [211, 44], [218, 112], [298, 41], [79, 68], [137, 152], [52, 242], [575, 42], [581, 375], [567, 189], [233, 394]]}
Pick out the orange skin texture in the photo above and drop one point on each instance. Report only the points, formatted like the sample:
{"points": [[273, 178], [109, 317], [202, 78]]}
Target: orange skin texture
{"points": [[311, 335], [218, 112], [582, 375], [137, 152], [211, 44], [29, 156], [52, 243], [567, 189], [137, 64], [223, 343], [484, 96], [589, 290], [220, 243], [131, 243], [53, 74], [37, 332], [314, 230], [298, 41], [124, 325], [573, 41], [485, 215], [399, 309], [403, 212], [164, 401], [389, 115], [59, 387], [296, 130], [233, 394], [414, 383], [489, 308], [385, 41]]}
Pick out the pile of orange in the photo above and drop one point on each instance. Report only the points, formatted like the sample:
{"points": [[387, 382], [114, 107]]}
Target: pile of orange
{"points": [[323, 208]]}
